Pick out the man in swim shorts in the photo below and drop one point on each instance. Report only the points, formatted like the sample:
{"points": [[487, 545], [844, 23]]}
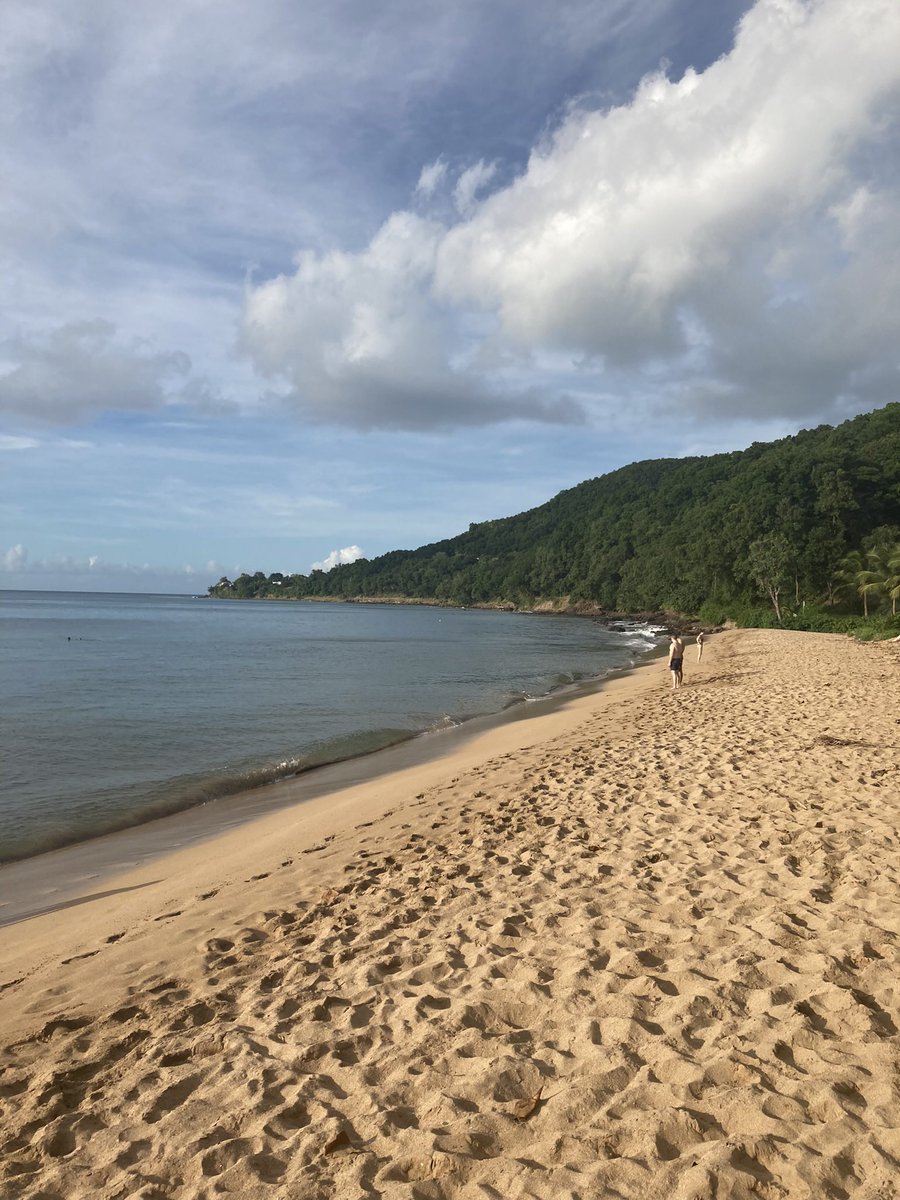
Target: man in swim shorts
{"points": [[676, 660]]}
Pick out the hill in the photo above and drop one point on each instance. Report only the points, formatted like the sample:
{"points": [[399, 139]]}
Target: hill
{"points": [[674, 534]]}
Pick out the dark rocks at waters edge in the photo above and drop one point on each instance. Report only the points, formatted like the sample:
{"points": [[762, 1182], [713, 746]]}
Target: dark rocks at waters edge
{"points": [[672, 623], [678, 623]]}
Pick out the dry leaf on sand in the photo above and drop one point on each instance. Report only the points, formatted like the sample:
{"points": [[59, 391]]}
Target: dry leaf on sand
{"points": [[521, 1109]]}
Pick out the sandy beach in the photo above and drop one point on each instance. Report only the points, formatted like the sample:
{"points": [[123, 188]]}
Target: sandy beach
{"points": [[643, 946]]}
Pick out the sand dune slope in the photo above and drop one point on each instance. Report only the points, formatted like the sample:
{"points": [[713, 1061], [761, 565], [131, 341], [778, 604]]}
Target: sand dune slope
{"points": [[656, 957]]}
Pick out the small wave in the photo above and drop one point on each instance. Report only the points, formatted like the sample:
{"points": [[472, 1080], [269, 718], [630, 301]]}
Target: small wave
{"points": [[444, 722], [110, 813]]}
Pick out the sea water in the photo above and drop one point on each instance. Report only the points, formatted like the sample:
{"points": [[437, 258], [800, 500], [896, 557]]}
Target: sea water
{"points": [[119, 708]]}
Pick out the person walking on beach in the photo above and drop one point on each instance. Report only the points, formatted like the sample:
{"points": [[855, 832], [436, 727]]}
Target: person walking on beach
{"points": [[700, 640], [676, 660]]}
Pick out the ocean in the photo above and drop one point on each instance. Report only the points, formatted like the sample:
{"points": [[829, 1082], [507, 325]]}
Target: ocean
{"points": [[120, 708]]}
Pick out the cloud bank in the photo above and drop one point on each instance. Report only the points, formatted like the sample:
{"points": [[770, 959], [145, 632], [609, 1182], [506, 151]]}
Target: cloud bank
{"points": [[722, 241], [18, 571]]}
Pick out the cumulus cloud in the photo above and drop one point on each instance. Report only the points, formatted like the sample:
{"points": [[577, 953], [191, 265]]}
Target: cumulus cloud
{"points": [[361, 342], [83, 368], [349, 554], [722, 240], [699, 217]]}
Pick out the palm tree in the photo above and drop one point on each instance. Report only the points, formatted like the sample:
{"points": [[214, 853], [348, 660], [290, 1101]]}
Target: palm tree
{"points": [[881, 576], [847, 575], [869, 583], [892, 584]]}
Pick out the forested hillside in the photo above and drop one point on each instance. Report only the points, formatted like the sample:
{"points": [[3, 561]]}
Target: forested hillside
{"points": [[729, 529]]}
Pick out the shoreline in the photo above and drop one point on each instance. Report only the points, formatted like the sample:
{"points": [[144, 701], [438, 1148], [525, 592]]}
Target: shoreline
{"points": [[559, 607], [644, 945], [25, 883], [57, 808]]}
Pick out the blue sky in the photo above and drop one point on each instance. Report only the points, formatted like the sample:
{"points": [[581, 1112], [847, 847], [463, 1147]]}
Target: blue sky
{"points": [[291, 281]]}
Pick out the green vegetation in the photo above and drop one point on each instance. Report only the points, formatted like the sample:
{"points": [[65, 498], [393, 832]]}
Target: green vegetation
{"points": [[804, 531]]}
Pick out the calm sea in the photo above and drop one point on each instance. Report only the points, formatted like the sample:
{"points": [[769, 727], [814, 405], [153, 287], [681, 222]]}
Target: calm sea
{"points": [[119, 708]]}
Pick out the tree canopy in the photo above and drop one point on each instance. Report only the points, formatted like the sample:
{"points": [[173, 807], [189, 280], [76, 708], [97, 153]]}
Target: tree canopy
{"points": [[662, 534]]}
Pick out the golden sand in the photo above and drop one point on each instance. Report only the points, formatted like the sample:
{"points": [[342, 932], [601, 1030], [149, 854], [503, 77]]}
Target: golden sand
{"points": [[646, 947]]}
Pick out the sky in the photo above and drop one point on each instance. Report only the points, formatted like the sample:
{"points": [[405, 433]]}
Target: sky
{"points": [[288, 283]]}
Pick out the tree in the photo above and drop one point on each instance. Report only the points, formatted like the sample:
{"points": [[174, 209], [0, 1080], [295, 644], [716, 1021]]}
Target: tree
{"points": [[769, 559], [893, 584], [834, 495], [869, 584], [819, 560], [847, 575], [881, 577]]}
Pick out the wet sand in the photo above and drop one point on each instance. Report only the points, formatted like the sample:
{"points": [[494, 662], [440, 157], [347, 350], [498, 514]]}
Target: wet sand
{"points": [[642, 946]]}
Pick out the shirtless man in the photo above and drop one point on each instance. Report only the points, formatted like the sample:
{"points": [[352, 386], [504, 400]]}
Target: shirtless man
{"points": [[676, 660]]}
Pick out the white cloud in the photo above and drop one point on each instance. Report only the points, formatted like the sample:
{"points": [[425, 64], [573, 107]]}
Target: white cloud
{"points": [[704, 244], [701, 204], [470, 183], [360, 342], [431, 178], [14, 442], [15, 559], [349, 554]]}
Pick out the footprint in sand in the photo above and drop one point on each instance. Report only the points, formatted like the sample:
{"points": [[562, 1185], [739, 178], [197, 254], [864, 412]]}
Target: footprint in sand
{"points": [[171, 1098]]}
